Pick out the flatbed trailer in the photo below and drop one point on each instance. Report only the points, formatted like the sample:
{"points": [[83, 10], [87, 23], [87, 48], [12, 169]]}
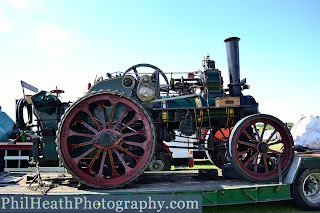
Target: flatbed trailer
{"points": [[301, 183]]}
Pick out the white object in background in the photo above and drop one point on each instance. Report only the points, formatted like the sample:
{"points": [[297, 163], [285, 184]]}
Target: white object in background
{"points": [[185, 143], [306, 132]]}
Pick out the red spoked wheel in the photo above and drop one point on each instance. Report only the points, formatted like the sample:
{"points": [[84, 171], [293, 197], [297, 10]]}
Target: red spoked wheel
{"points": [[217, 149], [257, 145], [106, 139]]}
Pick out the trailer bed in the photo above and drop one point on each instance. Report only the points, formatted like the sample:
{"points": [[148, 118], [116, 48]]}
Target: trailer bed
{"points": [[220, 191], [213, 192]]}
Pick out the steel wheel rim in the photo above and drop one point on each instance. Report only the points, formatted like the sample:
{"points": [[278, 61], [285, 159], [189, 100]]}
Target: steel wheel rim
{"points": [[311, 187], [108, 142], [253, 154]]}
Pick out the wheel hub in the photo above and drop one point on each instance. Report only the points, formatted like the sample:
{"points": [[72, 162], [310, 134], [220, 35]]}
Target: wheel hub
{"points": [[156, 165], [311, 187], [263, 148], [106, 139]]}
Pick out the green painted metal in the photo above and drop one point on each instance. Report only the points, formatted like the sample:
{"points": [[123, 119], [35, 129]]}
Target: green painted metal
{"points": [[114, 84], [48, 125], [182, 102], [214, 80], [243, 195], [228, 196], [49, 148]]}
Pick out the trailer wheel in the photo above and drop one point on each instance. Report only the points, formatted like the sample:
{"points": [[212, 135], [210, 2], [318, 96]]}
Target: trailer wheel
{"points": [[305, 191], [256, 155], [105, 139]]}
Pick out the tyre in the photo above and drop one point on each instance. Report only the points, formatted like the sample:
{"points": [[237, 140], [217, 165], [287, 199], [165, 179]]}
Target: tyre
{"points": [[21, 105], [257, 156], [305, 191], [106, 139]]}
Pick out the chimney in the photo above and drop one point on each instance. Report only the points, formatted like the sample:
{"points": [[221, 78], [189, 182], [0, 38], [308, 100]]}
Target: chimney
{"points": [[232, 44]]}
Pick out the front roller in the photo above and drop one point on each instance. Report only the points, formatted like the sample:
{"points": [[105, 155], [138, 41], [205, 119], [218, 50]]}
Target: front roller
{"points": [[105, 139], [258, 145]]}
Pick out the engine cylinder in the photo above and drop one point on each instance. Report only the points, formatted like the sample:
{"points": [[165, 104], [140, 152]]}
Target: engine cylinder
{"points": [[232, 44]]}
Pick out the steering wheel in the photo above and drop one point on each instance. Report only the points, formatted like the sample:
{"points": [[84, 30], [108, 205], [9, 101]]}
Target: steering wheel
{"points": [[134, 68]]}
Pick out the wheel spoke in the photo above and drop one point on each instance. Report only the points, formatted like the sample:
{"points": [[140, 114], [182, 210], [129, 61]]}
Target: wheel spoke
{"points": [[245, 151], [72, 133], [127, 168], [77, 159], [89, 127], [77, 119], [264, 129], [129, 123], [137, 158], [93, 118], [114, 172], [131, 143], [103, 118], [246, 143], [275, 151], [220, 153], [142, 132], [92, 161], [73, 146], [99, 175], [250, 159], [257, 132], [276, 141], [272, 161], [274, 132], [120, 119], [111, 114], [250, 138], [265, 162]]}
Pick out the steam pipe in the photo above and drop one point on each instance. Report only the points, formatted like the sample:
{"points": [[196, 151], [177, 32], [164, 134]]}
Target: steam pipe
{"points": [[232, 44]]}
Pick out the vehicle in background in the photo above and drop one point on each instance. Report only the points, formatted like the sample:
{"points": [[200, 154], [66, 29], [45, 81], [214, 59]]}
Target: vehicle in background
{"points": [[179, 153]]}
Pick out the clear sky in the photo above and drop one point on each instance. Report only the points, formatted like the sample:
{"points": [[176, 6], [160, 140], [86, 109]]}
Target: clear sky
{"points": [[66, 43]]}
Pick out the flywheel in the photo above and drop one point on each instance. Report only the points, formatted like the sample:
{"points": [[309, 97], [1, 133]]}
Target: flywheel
{"points": [[105, 139]]}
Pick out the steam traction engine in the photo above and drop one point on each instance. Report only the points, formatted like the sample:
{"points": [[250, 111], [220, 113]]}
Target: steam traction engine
{"points": [[107, 138]]}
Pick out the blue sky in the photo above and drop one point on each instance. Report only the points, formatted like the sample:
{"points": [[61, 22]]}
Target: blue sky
{"points": [[66, 43]]}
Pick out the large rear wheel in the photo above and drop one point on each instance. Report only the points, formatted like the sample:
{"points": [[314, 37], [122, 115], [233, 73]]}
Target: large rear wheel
{"points": [[106, 139]]}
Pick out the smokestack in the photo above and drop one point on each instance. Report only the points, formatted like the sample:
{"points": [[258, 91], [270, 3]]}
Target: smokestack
{"points": [[232, 44]]}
